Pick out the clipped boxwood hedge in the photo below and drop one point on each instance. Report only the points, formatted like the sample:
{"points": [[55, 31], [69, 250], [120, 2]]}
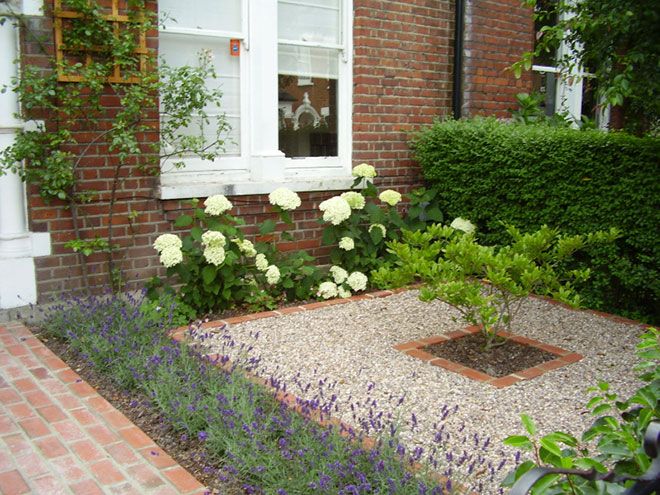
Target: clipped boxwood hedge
{"points": [[579, 181]]}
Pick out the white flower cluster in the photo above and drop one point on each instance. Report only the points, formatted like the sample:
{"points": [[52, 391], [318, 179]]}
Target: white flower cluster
{"points": [[213, 238], [327, 290], [335, 210], [284, 198], [338, 274], [217, 205], [354, 199], [167, 241], [169, 248], [356, 281], [261, 262], [378, 226], [390, 196], [346, 243], [246, 247], [214, 247], [171, 257], [215, 255], [365, 171], [463, 225], [272, 275]]}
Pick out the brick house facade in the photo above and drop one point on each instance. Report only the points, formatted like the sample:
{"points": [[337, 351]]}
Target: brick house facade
{"points": [[402, 79]]}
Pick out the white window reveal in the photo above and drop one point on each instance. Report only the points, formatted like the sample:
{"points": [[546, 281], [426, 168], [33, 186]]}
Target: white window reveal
{"points": [[286, 92]]}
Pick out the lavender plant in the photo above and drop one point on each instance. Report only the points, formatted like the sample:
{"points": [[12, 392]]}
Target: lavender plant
{"points": [[250, 435]]}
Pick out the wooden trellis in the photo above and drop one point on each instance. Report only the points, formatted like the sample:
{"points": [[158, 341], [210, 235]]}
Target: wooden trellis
{"points": [[66, 56]]}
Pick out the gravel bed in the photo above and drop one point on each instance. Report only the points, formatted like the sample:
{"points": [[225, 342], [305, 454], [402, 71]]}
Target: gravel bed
{"points": [[347, 350]]}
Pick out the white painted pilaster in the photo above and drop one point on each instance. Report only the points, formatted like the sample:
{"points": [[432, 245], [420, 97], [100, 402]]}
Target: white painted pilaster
{"points": [[267, 163], [17, 244]]}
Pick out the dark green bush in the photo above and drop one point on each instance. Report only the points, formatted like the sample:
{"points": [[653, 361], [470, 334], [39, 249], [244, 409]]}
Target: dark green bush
{"points": [[578, 181]]}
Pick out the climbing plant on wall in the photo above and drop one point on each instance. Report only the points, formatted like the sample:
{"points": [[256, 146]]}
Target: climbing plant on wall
{"points": [[101, 55]]}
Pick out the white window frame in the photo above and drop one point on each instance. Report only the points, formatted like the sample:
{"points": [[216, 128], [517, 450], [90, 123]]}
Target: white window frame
{"points": [[261, 166]]}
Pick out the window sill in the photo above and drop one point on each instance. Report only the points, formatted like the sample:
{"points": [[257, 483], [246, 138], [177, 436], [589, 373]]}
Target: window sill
{"points": [[185, 188]]}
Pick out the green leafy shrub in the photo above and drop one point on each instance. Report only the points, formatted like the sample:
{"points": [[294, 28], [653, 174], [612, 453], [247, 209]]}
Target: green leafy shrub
{"points": [[528, 176], [487, 284], [618, 432]]}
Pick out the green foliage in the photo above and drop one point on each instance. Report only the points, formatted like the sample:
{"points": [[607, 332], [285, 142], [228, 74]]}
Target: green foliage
{"points": [[577, 181], [618, 432], [486, 284], [369, 228], [530, 112], [88, 246], [617, 41]]}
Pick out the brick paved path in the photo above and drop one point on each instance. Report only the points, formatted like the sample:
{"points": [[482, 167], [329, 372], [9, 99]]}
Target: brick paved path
{"points": [[58, 435]]}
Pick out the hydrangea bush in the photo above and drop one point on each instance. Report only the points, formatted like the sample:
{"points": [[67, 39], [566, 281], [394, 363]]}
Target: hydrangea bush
{"points": [[360, 222], [214, 263]]}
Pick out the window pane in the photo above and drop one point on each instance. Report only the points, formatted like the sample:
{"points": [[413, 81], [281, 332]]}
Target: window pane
{"points": [[180, 50], [224, 15], [316, 20], [304, 61], [308, 116]]}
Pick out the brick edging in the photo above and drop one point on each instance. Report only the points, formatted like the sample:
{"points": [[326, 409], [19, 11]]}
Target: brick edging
{"points": [[180, 331], [415, 348]]}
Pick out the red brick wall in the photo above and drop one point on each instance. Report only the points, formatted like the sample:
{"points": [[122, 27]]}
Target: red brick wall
{"points": [[497, 33], [62, 270], [402, 80]]}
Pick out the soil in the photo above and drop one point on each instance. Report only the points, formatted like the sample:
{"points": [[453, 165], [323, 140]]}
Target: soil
{"points": [[502, 360], [188, 452]]}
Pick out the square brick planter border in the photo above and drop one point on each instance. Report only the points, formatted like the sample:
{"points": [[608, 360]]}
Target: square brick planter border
{"points": [[415, 348]]}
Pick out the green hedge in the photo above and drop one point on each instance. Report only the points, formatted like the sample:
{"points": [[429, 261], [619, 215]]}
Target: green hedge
{"points": [[579, 181]]}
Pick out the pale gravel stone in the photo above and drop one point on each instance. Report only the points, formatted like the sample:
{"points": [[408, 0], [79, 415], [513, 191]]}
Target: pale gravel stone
{"points": [[352, 345]]}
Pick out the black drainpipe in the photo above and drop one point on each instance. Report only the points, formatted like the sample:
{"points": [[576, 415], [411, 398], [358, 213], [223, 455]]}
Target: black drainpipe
{"points": [[459, 22]]}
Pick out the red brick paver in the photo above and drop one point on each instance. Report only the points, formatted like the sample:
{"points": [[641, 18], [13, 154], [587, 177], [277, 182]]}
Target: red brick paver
{"points": [[58, 435]]}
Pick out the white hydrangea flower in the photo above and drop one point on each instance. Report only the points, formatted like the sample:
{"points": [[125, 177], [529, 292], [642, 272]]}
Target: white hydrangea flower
{"points": [[171, 256], [344, 293], [284, 198], [378, 226], [463, 225], [215, 255], [246, 247], [217, 205], [354, 199], [365, 171], [338, 274], [335, 210], [390, 196], [357, 281], [167, 241], [261, 262], [347, 244], [213, 239], [327, 290], [272, 275]]}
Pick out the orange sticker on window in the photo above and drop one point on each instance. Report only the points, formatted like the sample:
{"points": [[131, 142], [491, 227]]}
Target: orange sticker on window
{"points": [[235, 48]]}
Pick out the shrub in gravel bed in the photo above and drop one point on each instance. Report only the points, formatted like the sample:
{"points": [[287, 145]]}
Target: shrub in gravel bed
{"points": [[251, 436]]}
